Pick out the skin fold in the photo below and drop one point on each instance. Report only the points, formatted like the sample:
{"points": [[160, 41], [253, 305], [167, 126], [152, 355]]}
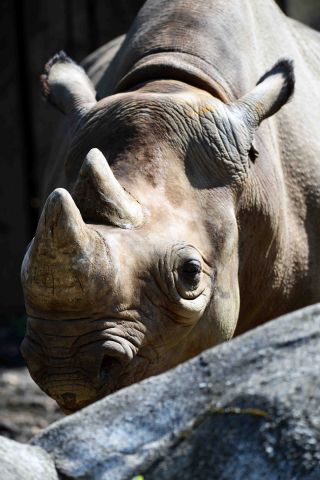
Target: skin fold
{"points": [[186, 199]]}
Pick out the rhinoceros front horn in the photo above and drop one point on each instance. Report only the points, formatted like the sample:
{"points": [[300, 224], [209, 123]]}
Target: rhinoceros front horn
{"points": [[101, 198], [61, 227], [60, 261]]}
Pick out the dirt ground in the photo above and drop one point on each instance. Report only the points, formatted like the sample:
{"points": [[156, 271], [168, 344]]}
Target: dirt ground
{"points": [[24, 409]]}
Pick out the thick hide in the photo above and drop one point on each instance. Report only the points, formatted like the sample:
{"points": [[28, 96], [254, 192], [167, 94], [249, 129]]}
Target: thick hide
{"points": [[188, 198]]}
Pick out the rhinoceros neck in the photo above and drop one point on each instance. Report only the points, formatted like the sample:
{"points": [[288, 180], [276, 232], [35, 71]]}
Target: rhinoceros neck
{"points": [[273, 251], [178, 66], [201, 38]]}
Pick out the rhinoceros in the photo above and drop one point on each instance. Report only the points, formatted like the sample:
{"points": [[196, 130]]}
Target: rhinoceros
{"points": [[186, 205]]}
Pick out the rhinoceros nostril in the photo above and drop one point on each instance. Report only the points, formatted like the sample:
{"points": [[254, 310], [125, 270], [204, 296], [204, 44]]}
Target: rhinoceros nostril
{"points": [[107, 364]]}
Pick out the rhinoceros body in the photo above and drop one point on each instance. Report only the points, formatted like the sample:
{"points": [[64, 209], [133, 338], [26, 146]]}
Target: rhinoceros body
{"points": [[189, 220]]}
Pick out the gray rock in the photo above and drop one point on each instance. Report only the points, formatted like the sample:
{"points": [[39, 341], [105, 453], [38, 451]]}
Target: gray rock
{"points": [[24, 462], [247, 409]]}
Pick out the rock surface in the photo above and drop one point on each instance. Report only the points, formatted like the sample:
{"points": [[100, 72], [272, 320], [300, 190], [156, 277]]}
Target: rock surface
{"points": [[23, 462], [24, 409], [248, 409]]}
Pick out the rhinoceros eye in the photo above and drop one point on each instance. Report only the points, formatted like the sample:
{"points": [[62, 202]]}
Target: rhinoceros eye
{"points": [[190, 272]]}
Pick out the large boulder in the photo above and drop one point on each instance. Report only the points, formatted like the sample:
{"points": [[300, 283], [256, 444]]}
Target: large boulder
{"points": [[248, 409], [24, 462]]}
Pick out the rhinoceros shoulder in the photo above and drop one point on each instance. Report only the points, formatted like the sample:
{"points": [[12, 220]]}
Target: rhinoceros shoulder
{"points": [[308, 41]]}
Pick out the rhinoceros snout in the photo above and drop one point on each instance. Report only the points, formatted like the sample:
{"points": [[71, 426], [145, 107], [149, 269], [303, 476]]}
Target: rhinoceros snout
{"points": [[69, 400], [73, 375], [72, 401], [108, 365]]}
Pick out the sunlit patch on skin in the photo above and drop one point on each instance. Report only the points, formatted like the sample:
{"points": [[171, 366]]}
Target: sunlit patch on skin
{"points": [[206, 109]]}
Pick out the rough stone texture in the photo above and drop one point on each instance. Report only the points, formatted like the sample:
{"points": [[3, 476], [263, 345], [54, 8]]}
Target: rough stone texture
{"points": [[24, 409], [23, 462], [248, 409]]}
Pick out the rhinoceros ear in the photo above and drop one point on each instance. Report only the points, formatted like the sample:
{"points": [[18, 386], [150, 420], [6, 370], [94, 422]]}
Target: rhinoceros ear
{"points": [[273, 91], [66, 85]]}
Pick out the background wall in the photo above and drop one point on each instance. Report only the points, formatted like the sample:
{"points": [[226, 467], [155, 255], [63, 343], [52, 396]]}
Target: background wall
{"points": [[307, 11], [31, 31]]}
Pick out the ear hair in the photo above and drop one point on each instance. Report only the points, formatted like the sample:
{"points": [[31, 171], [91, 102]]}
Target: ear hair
{"points": [[61, 57], [285, 68], [273, 90]]}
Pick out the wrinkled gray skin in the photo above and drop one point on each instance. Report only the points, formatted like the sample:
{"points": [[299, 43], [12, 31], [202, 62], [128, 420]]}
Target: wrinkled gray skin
{"points": [[191, 236]]}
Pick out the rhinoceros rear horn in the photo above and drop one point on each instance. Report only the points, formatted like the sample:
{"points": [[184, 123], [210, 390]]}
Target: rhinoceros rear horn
{"points": [[273, 90], [66, 85], [101, 198]]}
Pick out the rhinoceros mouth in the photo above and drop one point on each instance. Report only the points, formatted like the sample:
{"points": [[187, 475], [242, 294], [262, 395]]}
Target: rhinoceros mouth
{"points": [[113, 376], [77, 369]]}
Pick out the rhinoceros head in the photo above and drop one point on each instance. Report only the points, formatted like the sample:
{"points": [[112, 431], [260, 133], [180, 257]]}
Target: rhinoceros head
{"points": [[134, 267]]}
